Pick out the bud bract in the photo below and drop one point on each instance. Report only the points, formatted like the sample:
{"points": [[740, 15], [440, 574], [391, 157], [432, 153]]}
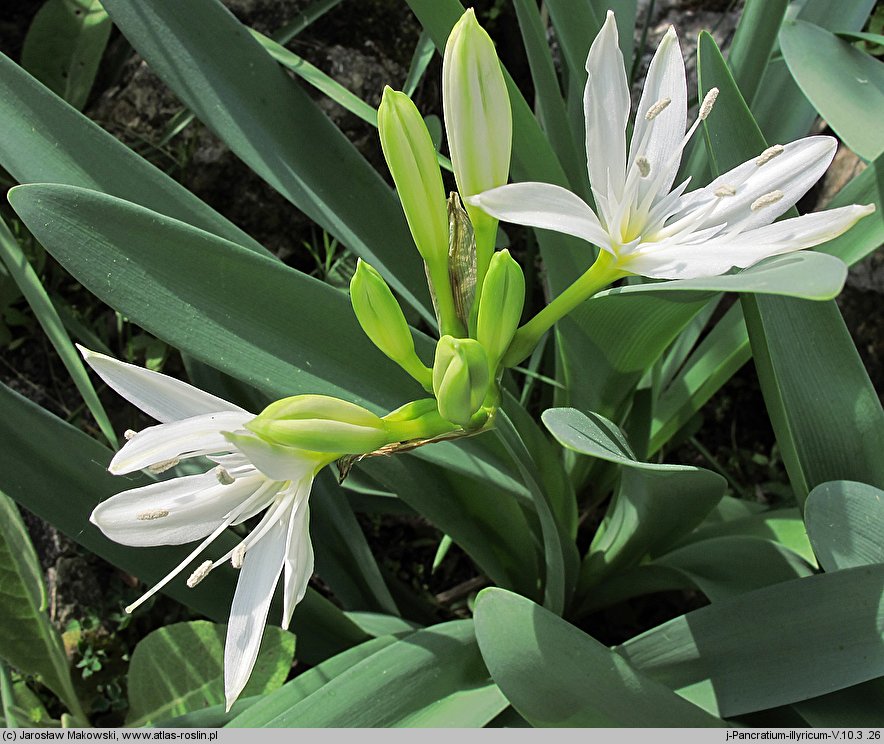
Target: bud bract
{"points": [[320, 423], [460, 378], [478, 122], [503, 297], [411, 157], [383, 321]]}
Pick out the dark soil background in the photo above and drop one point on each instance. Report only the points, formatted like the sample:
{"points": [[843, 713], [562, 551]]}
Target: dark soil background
{"points": [[364, 45]]}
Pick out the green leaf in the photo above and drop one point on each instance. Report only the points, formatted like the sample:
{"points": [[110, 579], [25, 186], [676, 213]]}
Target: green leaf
{"points": [[343, 557], [432, 677], [844, 84], [43, 456], [845, 523], [725, 657], [852, 707], [800, 348], [423, 53], [27, 640], [555, 675], [811, 276], [179, 669], [29, 283], [754, 41], [240, 92], [45, 140], [64, 45], [654, 504]]}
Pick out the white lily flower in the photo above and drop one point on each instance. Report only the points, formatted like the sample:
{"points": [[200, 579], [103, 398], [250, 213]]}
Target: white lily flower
{"points": [[646, 226], [250, 476]]}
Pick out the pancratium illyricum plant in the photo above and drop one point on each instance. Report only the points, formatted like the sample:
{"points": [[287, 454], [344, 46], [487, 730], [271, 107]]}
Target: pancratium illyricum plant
{"points": [[642, 224]]}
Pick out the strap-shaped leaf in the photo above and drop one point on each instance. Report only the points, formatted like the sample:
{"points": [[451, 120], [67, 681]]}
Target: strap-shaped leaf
{"points": [[240, 93], [723, 656], [555, 675]]}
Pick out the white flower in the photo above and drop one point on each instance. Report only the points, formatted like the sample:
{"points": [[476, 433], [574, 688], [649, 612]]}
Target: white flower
{"points": [[250, 476], [645, 226]]}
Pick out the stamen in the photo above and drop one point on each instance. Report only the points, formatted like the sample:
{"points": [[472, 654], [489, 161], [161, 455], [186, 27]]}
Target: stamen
{"points": [[197, 576], [725, 190], [657, 108], [769, 154], [644, 166], [223, 475], [708, 103], [163, 465], [128, 434], [765, 201], [149, 516], [239, 555]]}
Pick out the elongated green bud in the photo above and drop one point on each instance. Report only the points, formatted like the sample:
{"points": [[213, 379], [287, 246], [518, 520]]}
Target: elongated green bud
{"points": [[478, 123], [322, 424], [460, 378], [411, 157], [503, 297], [383, 321], [419, 419]]}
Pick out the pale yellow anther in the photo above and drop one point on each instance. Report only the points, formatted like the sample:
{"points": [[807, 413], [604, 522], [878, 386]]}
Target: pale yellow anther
{"points": [[163, 465], [239, 555], [197, 576], [657, 108], [224, 477], [725, 190], [708, 103], [765, 201], [769, 154], [147, 516], [128, 434], [644, 166]]}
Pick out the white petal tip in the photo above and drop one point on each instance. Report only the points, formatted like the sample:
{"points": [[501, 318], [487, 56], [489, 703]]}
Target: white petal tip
{"points": [[867, 209]]}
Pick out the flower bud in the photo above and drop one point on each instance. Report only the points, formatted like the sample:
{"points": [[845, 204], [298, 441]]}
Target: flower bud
{"points": [[411, 157], [320, 423], [503, 296], [383, 321], [419, 419], [460, 378], [478, 122]]}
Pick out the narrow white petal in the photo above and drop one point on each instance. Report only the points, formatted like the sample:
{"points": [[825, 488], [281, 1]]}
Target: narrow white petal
{"points": [[606, 107], [173, 512], [724, 252], [546, 206], [198, 435], [299, 554], [800, 165], [248, 613], [275, 460], [657, 139], [159, 396]]}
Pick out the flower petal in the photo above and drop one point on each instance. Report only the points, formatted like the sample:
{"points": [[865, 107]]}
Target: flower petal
{"points": [[546, 206], [198, 435], [299, 559], [159, 396], [658, 139], [248, 613], [173, 512], [606, 107], [720, 254], [798, 167], [275, 460]]}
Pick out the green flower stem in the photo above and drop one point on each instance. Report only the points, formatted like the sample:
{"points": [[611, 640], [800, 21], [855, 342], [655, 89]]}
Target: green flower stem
{"points": [[443, 300], [598, 276], [426, 427]]}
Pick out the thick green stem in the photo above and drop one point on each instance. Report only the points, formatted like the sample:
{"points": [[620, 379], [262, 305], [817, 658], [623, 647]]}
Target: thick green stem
{"points": [[440, 286], [598, 276]]}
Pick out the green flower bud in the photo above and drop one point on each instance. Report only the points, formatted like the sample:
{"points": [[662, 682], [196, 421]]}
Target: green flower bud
{"points": [[322, 424], [460, 378], [478, 122], [503, 297], [419, 419], [383, 321], [411, 157]]}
